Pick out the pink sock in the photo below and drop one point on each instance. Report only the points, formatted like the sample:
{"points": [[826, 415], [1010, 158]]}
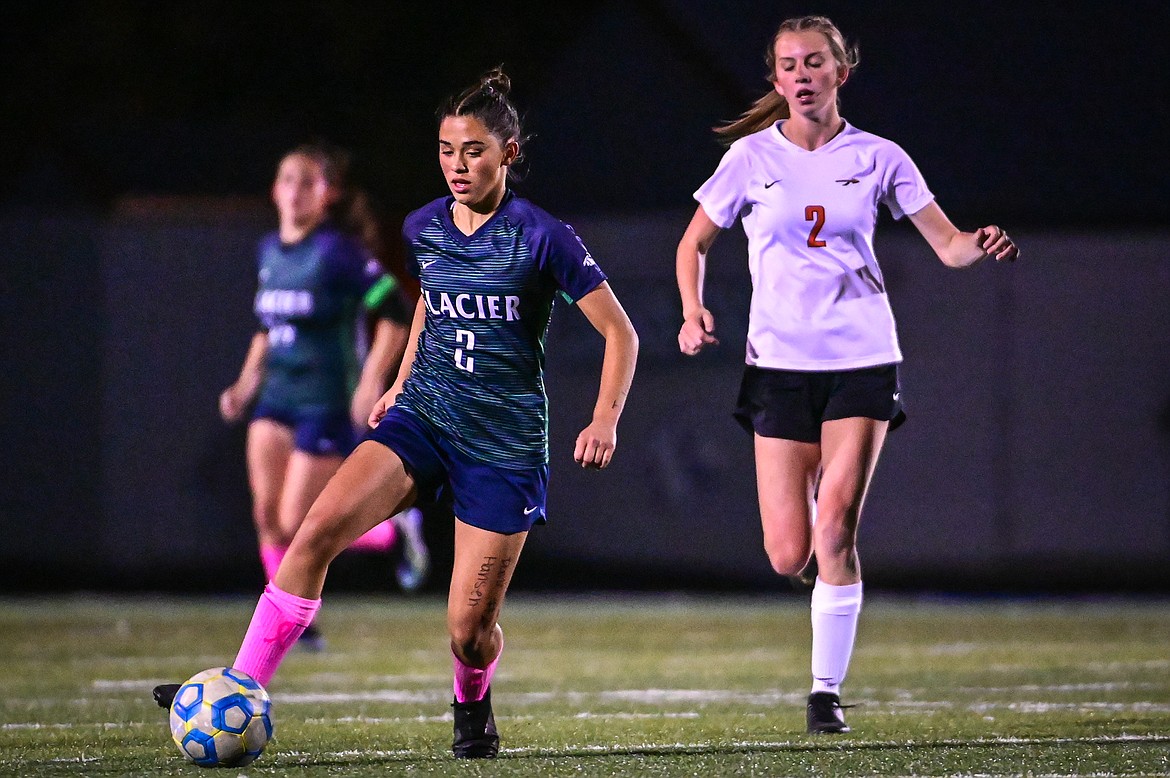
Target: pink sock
{"points": [[270, 556], [471, 683], [379, 538], [279, 620]]}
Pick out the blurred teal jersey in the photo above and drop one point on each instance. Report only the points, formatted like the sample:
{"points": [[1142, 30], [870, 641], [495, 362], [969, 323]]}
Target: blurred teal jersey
{"points": [[309, 299]]}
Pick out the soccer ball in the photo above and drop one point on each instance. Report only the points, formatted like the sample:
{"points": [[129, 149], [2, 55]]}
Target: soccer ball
{"points": [[221, 718]]}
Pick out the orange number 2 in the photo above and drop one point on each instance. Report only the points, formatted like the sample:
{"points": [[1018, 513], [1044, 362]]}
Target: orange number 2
{"points": [[816, 215]]}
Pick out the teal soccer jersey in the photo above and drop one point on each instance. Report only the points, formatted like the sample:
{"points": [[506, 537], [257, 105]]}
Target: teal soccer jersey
{"points": [[478, 372], [309, 297]]}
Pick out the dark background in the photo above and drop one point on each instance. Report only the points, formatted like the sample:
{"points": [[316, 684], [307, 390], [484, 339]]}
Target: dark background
{"points": [[1038, 113], [140, 139]]}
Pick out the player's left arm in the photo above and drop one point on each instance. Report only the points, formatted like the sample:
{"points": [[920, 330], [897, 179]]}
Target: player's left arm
{"points": [[404, 367], [596, 443], [388, 345], [960, 249]]}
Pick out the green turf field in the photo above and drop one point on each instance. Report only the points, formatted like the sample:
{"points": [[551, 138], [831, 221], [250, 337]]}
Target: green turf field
{"points": [[611, 686]]}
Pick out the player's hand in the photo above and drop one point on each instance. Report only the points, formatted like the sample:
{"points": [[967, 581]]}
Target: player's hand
{"points": [[365, 398], [994, 242], [595, 445], [384, 403], [695, 332], [232, 404]]}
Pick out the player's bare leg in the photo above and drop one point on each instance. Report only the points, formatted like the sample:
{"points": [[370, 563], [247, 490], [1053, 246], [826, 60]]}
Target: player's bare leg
{"points": [[269, 447], [370, 485], [850, 453], [786, 473], [483, 568], [305, 478]]}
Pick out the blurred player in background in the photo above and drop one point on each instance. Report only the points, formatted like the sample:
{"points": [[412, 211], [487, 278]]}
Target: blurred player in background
{"points": [[468, 412], [820, 389], [313, 370]]}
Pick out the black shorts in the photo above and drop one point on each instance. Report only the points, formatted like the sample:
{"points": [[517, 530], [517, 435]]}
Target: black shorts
{"points": [[793, 404]]}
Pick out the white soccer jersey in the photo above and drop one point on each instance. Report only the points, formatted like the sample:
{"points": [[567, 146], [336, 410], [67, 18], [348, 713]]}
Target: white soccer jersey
{"points": [[818, 298]]}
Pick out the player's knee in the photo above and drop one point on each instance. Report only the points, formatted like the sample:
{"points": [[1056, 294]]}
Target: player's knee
{"points": [[321, 534], [836, 528], [787, 556], [266, 516], [471, 640]]}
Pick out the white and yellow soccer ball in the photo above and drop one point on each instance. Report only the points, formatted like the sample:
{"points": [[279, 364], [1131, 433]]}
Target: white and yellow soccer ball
{"points": [[221, 718]]}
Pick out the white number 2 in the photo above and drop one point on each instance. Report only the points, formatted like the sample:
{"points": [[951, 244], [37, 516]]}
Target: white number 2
{"points": [[461, 362]]}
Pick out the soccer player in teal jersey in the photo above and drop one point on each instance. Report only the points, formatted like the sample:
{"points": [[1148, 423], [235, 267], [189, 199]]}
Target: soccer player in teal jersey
{"points": [[468, 410], [315, 387]]}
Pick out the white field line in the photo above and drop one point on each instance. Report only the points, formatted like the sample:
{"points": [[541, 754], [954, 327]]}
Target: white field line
{"points": [[692, 697], [349, 679], [905, 698], [1147, 664], [446, 717], [35, 725], [767, 745], [847, 744], [1104, 686]]}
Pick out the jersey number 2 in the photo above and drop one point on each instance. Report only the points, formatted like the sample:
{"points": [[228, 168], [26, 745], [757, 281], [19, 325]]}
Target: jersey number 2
{"points": [[462, 361], [816, 215]]}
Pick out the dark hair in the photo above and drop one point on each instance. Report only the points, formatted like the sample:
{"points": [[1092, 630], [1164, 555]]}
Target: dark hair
{"points": [[772, 107], [352, 211], [488, 101]]}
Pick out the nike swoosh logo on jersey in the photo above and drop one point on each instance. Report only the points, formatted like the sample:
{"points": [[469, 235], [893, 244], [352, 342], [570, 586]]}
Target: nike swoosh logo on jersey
{"points": [[528, 511], [428, 263], [848, 181], [773, 183]]}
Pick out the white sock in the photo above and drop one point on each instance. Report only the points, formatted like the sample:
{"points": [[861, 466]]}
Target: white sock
{"points": [[834, 625]]}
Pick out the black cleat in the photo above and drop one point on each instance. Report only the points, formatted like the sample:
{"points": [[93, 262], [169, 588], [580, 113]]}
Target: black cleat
{"points": [[164, 694], [475, 729], [311, 640], [824, 714]]}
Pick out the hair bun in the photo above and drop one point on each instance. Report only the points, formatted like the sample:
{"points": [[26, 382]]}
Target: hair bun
{"points": [[496, 81]]}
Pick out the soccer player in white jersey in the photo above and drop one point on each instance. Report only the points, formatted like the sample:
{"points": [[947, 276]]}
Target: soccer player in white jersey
{"points": [[468, 411], [820, 388]]}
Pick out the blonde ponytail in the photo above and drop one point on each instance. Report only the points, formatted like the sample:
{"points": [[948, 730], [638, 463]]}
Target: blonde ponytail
{"points": [[764, 112]]}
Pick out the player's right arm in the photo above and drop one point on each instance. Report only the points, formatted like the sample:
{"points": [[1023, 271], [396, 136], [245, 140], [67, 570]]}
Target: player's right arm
{"points": [[960, 249], [690, 265], [416, 326], [234, 399]]}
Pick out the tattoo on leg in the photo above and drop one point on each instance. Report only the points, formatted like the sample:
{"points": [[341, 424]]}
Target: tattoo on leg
{"points": [[481, 579], [490, 566]]}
